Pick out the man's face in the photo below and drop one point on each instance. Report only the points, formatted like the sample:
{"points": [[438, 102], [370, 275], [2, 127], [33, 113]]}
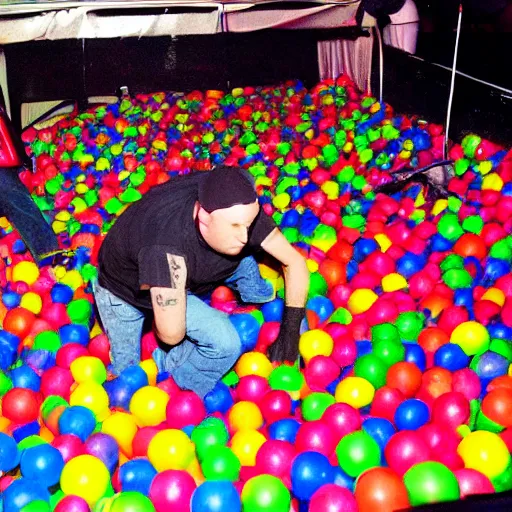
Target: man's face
{"points": [[226, 230]]}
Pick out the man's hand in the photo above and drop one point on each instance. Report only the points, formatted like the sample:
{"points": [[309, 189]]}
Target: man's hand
{"points": [[170, 304]]}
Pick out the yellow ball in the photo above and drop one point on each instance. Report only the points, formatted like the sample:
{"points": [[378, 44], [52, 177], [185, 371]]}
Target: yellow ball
{"points": [[492, 181], [393, 282], [245, 444], [148, 406], [122, 427], [355, 391], [315, 343], [86, 368], [484, 451], [73, 279], [92, 395], [472, 337], [26, 271], [253, 363], [171, 449], [493, 294], [245, 416], [85, 476], [150, 369], [281, 201], [32, 301], [361, 300]]}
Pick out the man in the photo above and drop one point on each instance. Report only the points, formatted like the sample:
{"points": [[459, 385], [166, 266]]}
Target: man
{"points": [[180, 241]]}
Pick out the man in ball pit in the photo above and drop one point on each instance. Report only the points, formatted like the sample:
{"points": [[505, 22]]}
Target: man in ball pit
{"points": [[179, 242]]}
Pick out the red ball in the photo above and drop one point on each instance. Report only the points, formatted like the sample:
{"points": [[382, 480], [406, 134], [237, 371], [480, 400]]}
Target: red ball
{"points": [[404, 376], [497, 406], [252, 388], [320, 372], [316, 436], [342, 419], [172, 490], [451, 409], [275, 405], [19, 321], [21, 405], [405, 449], [142, 439], [69, 446], [56, 381], [276, 458], [385, 402], [435, 382], [421, 284], [451, 317], [333, 498], [472, 481], [183, 409], [99, 347]]}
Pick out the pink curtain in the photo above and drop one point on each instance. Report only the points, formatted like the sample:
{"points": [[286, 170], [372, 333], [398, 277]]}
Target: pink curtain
{"points": [[354, 58]]}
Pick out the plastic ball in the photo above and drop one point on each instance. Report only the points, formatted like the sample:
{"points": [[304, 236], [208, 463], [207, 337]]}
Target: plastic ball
{"points": [[245, 445], [185, 408], [310, 471], [431, 482], [131, 502], [21, 492], [172, 490], [404, 450], [361, 300], [321, 371], [43, 464], [19, 321], [333, 498], [372, 369], [472, 337], [315, 436], [314, 343], [451, 409], [136, 475], [451, 357], [72, 504], [122, 427], [253, 363], [404, 376], [20, 405], [25, 271], [170, 449], [284, 430], [275, 458], [275, 405], [245, 416], [105, 448], [219, 399], [342, 419], [497, 406], [265, 493], [56, 381], [247, 328], [88, 368], [148, 405], [9, 453], [380, 430], [472, 482], [92, 395], [357, 452], [210, 432], [219, 463], [411, 414], [215, 497], [485, 452], [386, 400], [355, 391], [69, 445], [85, 476]]}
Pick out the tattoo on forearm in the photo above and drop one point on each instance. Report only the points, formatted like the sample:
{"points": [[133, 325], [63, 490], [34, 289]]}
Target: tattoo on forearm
{"points": [[177, 270], [164, 302]]}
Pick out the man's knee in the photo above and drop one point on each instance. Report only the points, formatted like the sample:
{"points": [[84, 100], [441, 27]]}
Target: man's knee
{"points": [[226, 342]]}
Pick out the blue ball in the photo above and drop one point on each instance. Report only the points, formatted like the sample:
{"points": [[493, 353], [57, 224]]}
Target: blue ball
{"points": [[42, 463], [363, 347], [137, 475], [500, 331], [77, 420], [494, 269], [490, 365], [380, 429], [9, 453], [416, 355], [21, 492], [11, 299], [463, 297], [247, 328], [61, 293], [273, 310], [212, 496], [411, 414], [451, 357], [439, 243], [74, 333], [410, 263], [290, 219], [8, 349], [119, 393], [363, 248], [219, 399], [134, 377], [24, 377], [310, 471], [342, 479], [284, 430], [322, 306]]}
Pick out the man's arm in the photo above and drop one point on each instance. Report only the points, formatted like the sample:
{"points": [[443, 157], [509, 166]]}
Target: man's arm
{"points": [[296, 273], [170, 303]]}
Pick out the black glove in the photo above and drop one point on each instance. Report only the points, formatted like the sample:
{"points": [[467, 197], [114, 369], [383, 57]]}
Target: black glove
{"points": [[286, 346]]}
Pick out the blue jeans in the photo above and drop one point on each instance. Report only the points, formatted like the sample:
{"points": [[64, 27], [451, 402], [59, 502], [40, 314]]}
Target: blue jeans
{"points": [[211, 346], [22, 212]]}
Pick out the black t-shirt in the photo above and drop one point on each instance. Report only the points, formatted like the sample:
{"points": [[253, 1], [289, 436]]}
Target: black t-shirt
{"points": [[133, 256]]}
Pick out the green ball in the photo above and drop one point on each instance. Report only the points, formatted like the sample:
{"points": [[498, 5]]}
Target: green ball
{"points": [[449, 227], [47, 340], [410, 324], [265, 493], [317, 285], [210, 432], [79, 311], [286, 378], [469, 144], [30, 442], [503, 482], [431, 482], [357, 452], [473, 224], [371, 368], [5, 384], [341, 316], [37, 506], [457, 278], [385, 332], [315, 404], [132, 501], [452, 261], [55, 498], [220, 463], [501, 250], [390, 352]]}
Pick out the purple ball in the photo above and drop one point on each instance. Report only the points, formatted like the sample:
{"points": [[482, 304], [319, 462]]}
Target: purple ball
{"points": [[105, 448]]}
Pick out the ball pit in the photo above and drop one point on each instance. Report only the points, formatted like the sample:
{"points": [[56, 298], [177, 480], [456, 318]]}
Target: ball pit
{"points": [[404, 395]]}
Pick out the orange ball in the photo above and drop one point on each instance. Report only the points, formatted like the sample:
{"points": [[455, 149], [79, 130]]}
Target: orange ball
{"points": [[470, 245], [19, 321], [497, 406], [404, 376], [431, 338], [333, 272], [435, 382], [501, 382], [341, 252], [435, 303]]}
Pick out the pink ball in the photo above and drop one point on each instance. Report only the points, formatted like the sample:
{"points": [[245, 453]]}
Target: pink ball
{"points": [[472, 481], [339, 295], [405, 449], [492, 233], [276, 458], [380, 263], [55, 314], [172, 490], [142, 439], [320, 372], [344, 352], [252, 388], [56, 381], [385, 402], [466, 381], [333, 498], [268, 334], [451, 317], [69, 446], [68, 353], [365, 280], [439, 438], [275, 405], [403, 301], [72, 503], [504, 283], [169, 386], [342, 419], [451, 409], [382, 311], [185, 408], [316, 436], [337, 332], [451, 459], [99, 347]]}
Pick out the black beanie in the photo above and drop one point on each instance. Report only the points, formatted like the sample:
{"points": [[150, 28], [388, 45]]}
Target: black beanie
{"points": [[224, 187]]}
